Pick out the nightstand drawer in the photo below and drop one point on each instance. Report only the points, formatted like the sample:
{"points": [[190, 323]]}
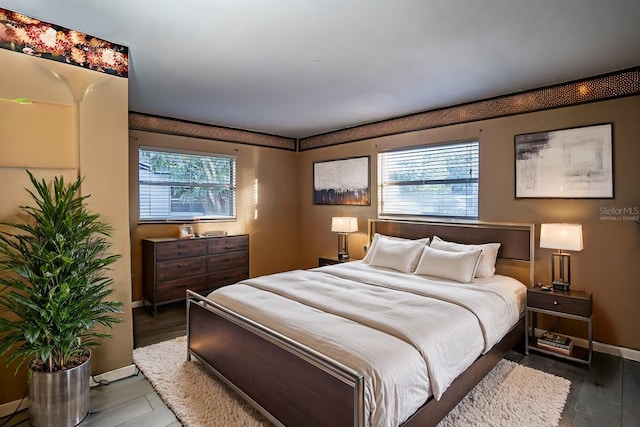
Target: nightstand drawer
{"points": [[323, 260], [555, 302]]}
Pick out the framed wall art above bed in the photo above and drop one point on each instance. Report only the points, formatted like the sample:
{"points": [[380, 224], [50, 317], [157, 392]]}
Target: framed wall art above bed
{"points": [[342, 182], [567, 163]]}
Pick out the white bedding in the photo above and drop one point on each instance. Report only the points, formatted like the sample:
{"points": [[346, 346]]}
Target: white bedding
{"points": [[410, 335]]}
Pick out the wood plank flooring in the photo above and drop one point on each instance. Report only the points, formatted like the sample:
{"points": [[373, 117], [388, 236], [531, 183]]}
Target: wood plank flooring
{"points": [[170, 322], [608, 394]]}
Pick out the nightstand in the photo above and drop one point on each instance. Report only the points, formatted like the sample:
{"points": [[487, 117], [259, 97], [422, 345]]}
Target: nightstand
{"points": [[330, 260], [568, 304]]}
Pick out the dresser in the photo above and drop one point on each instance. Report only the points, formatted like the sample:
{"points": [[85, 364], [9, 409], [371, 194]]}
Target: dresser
{"points": [[171, 266]]}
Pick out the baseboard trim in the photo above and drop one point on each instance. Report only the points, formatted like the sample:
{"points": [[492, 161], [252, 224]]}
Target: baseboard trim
{"points": [[117, 374], [10, 407], [625, 353]]}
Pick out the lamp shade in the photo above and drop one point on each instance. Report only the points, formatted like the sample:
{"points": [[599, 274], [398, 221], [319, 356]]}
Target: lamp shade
{"points": [[344, 224], [561, 236]]}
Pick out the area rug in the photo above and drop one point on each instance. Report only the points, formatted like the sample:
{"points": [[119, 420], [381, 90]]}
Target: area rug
{"points": [[510, 395]]}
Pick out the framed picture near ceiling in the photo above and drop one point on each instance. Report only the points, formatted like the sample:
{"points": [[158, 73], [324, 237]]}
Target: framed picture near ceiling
{"points": [[342, 182], [567, 163]]}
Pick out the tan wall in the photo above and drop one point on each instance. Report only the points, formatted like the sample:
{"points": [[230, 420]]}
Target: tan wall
{"points": [[608, 266], [289, 231], [98, 127], [271, 223]]}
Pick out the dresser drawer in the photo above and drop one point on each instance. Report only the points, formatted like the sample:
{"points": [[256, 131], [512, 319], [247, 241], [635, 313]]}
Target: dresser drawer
{"points": [[227, 277], [180, 249], [177, 289], [179, 269], [221, 245], [227, 261], [556, 302]]}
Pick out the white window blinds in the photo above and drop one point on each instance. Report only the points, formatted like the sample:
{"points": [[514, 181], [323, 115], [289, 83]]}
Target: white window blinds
{"points": [[438, 180], [182, 186]]}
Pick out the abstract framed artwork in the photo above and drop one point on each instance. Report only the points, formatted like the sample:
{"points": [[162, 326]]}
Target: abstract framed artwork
{"points": [[342, 182], [567, 163]]}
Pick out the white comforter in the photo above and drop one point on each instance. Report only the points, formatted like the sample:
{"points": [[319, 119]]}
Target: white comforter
{"points": [[409, 335]]}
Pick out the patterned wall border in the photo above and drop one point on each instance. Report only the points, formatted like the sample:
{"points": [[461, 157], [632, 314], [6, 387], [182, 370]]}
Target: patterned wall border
{"points": [[598, 88], [145, 122], [23, 34]]}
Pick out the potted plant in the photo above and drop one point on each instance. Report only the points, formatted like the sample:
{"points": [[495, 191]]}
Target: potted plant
{"points": [[53, 284]]}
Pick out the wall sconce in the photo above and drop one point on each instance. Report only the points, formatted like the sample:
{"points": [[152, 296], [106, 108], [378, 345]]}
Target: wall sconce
{"points": [[343, 225], [562, 237]]}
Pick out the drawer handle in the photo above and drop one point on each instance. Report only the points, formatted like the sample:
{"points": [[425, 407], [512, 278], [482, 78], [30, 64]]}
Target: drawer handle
{"points": [[229, 247], [182, 286], [182, 266], [555, 303]]}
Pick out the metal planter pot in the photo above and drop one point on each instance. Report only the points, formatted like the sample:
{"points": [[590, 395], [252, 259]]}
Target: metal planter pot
{"points": [[60, 398]]}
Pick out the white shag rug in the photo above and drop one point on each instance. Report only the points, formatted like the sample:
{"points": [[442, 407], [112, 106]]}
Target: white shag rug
{"points": [[510, 395]]}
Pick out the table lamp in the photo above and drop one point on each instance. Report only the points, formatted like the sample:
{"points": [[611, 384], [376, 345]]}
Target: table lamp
{"points": [[343, 225], [561, 237]]}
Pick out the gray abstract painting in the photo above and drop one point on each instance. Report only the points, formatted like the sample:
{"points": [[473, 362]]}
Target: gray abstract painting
{"points": [[570, 163], [342, 182]]}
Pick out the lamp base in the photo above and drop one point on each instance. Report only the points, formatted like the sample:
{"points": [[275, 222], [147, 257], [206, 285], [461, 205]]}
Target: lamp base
{"points": [[343, 255], [561, 286]]}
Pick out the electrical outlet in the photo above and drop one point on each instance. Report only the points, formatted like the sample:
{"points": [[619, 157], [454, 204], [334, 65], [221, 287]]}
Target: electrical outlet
{"points": [[366, 248]]}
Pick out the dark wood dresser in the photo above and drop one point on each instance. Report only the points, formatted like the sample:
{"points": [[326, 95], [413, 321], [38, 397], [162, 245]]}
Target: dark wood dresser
{"points": [[171, 266]]}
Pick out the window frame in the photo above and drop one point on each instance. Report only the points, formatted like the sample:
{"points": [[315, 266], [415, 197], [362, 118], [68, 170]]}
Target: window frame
{"points": [[473, 143], [232, 185]]}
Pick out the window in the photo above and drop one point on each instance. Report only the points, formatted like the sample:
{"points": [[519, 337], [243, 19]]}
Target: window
{"points": [[184, 186], [436, 180]]}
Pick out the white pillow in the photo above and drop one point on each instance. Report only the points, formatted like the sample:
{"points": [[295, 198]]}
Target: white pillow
{"points": [[487, 263], [376, 237], [401, 255], [458, 266]]}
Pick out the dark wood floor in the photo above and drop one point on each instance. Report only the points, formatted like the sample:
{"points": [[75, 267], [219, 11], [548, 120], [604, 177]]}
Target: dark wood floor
{"points": [[608, 394], [169, 322]]}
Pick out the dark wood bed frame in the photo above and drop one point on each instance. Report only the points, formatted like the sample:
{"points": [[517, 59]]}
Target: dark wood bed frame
{"points": [[293, 385]]}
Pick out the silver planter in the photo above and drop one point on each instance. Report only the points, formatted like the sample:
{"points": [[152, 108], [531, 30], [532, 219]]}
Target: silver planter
{"points": [[60, 398]]}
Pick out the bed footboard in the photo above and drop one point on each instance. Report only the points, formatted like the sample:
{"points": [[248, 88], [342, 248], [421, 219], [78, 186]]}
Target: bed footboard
{"points": [[289, 383]]}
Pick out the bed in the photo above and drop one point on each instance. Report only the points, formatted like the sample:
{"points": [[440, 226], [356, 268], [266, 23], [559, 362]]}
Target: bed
{"points": [[293, 346]]}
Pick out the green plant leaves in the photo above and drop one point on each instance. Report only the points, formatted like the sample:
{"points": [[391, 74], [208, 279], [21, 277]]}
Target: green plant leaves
{"points": [[53, 277]]}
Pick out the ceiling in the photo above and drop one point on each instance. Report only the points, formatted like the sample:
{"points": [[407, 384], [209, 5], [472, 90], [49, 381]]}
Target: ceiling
{"points": [[298, 68]]}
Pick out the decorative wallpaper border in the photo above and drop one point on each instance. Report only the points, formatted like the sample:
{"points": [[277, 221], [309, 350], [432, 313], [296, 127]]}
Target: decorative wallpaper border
{"points": [[23, 34], [598, 88], [150, 123]]}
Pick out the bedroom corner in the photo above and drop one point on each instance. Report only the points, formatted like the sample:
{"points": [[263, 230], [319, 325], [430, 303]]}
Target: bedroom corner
{"points": [[76, 124]]}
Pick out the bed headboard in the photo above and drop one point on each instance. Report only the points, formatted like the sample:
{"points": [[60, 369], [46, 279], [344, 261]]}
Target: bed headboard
{"points": [[515, 257]]}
